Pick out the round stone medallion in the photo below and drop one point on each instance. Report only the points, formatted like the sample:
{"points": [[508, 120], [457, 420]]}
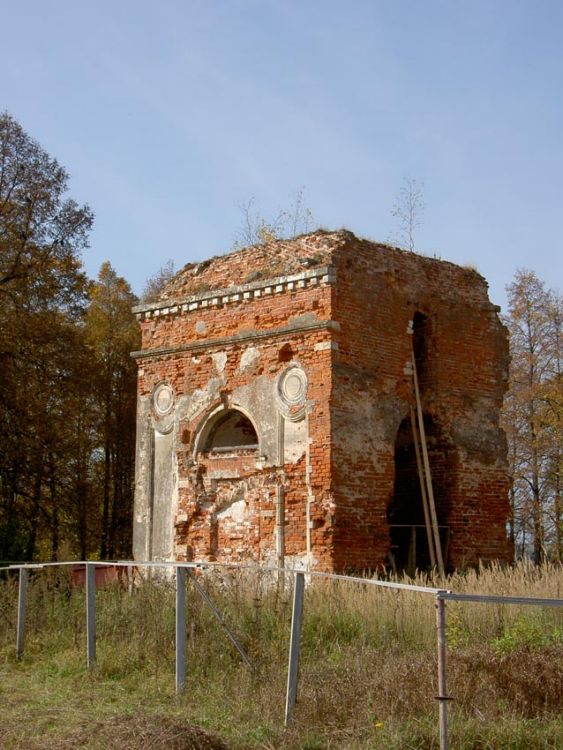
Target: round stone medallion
{"points": [[163, 399], [293, 386], [292, 392]]}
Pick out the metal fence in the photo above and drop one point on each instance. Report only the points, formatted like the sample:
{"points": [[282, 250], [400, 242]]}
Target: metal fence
{"points": [[185, 571]]}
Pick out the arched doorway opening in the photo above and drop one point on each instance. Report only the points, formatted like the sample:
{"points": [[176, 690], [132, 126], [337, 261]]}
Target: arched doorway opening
{"points": [[405, 513]]}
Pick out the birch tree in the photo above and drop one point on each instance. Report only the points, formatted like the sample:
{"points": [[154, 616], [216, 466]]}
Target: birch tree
{"points": [[409, 213]]}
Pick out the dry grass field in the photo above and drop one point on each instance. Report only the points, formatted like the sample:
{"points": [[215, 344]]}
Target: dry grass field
{"points": [[367, 675]]}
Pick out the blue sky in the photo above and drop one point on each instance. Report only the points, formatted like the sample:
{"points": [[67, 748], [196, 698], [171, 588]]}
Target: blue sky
{"points": [[168, 115]]}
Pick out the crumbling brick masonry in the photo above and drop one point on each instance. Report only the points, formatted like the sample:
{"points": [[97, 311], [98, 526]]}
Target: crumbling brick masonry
{"points": [[275, 392]]}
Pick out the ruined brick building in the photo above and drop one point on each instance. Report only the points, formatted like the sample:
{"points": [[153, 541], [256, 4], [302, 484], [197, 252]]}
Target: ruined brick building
{"points": [[275, 388]]}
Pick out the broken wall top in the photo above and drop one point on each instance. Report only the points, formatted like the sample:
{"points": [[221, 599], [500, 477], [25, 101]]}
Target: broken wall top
{"points": [[253, 266], [265, 261]]}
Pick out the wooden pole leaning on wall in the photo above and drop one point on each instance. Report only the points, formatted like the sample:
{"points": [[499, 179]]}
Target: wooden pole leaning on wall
{"points": [[90, 615], [294, 646], [181, 575], [22, 604], [427, 472], [421, 478]]}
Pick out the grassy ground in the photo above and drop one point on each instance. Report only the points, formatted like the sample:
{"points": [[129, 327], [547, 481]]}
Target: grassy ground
{"points": [[367, 677]]}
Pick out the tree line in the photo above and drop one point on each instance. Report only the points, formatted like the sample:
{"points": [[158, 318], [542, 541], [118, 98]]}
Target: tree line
{"points": [[67, 395], [68, 383]]}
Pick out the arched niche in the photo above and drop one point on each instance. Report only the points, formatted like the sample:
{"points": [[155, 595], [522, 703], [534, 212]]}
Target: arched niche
{"points": [[227, 431], [226, 452]]}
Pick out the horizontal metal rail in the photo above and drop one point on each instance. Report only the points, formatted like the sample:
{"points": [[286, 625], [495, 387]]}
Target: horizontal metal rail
{"points": [[491, 599], [372, 582], [236, 566], [441, 593]]}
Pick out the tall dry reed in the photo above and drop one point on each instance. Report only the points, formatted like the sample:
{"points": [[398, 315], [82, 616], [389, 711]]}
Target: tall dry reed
{"points": [[368, 671]]}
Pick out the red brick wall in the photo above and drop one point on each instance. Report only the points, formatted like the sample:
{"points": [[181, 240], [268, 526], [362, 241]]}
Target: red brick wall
{"points": [[199, 534], [378, 292], [348, 331]]}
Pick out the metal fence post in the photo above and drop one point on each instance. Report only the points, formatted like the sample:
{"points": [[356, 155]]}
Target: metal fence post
{"points": [[90, 615], [442, 692], [22, 601], [180, 629], [294, 646]]}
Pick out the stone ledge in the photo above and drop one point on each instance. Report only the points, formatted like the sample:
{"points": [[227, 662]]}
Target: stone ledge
{"points": [[236, 294], [289, 330]]}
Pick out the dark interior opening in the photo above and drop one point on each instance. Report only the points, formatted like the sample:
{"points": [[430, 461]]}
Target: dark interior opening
{"points": [[232, 431], [405, 514], [422, 340]]}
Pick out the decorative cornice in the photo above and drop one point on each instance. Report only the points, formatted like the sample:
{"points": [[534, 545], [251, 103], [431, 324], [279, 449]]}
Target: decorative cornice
{"points": [[290, 330], [236, 294]]}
